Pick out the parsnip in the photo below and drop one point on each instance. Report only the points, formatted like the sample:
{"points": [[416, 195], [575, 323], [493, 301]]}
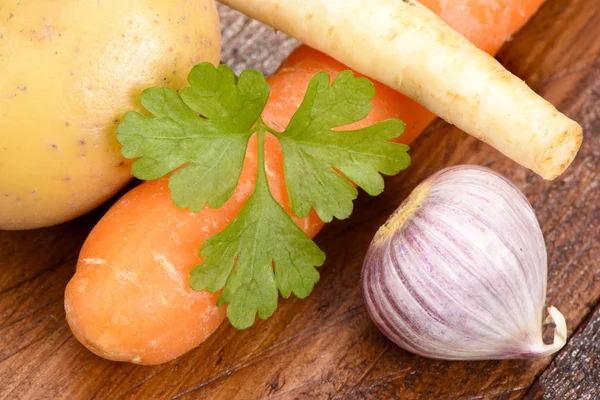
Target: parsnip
{"points": [[406, 46]]}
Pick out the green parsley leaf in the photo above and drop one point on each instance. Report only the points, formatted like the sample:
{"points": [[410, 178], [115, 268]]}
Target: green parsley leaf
{"points": [[266, 251], [201, 135], [311, 148], [206, 128]]}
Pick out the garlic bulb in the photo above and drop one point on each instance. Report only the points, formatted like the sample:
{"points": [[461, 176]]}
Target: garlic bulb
{"points": [[459, 271]]}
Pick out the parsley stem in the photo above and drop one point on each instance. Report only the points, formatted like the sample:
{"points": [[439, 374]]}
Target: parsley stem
{"points": [[271, 130], [260, 132]]}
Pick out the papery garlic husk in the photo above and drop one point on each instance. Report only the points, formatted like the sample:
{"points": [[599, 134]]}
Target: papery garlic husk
{"points": [[459, 271]]}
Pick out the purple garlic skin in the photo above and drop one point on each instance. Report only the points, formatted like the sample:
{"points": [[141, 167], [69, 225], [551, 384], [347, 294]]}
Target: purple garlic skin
{"points": [[459, 271]]}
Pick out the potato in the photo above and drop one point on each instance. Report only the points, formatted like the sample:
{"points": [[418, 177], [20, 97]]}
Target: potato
{"points": [[70, 70]]}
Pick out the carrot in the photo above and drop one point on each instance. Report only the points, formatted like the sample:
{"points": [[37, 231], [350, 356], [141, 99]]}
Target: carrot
{"points": [[486, 23], [129, 299], [409, 48]]}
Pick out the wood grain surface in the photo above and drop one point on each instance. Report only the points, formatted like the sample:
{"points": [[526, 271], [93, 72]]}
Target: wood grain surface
{"points": [[325, 346]]}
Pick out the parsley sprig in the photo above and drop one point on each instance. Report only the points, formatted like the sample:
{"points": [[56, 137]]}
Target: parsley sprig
{"points": [[203, 132]]}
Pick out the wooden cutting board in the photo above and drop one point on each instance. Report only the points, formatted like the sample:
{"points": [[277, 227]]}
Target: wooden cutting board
{"points": [[325, 346]]}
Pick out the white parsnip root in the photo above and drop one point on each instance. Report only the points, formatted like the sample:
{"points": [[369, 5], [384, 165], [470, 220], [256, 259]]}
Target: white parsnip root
{"points": [[409, 48]]}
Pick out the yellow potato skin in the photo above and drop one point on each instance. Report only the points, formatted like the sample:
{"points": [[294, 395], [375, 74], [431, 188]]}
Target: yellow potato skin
{"points": [[69, 70]]}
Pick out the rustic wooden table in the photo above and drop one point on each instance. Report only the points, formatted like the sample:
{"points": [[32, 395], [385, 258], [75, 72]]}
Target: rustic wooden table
{"points": [[325, 346]]}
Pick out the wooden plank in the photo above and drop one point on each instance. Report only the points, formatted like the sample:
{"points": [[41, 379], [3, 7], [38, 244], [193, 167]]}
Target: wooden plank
{"points": [[574, 374], [325, 346], [252, 44]]}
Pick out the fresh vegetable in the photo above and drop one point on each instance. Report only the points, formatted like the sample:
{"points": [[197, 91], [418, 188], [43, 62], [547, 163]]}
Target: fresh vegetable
{"points": [[69, 73], [130, 234], [459, 271], [406, 46]]}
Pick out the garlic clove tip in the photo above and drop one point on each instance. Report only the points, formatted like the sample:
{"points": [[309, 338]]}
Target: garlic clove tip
{"points": [[560, 330]]}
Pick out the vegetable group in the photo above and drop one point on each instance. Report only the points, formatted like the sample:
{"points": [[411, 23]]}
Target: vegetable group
{"points": [[459, 271], [98, 296], [69, 73]]}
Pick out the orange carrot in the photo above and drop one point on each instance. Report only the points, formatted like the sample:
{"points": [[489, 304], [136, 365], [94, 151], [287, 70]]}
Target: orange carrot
{"points": [[486, 23], [130, 300]]}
